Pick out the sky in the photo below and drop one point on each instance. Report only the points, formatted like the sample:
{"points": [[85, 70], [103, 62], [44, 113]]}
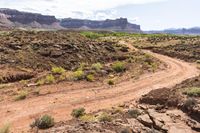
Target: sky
{"points": [[150, 14]]}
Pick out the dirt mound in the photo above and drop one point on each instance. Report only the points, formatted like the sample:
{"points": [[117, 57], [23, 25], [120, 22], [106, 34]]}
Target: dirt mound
{"points": [[44, 49], [162, 96], [176, 97], [13, 74]]}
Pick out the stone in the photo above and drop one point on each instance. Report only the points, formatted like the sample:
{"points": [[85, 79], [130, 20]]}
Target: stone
{"points": [[145, 120], [56, 53]]}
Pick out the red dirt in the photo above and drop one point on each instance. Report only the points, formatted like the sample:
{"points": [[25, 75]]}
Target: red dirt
{"points": [[20, 114]]}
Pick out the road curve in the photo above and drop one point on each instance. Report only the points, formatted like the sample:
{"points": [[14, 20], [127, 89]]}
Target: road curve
{"points": [[20, 114]]}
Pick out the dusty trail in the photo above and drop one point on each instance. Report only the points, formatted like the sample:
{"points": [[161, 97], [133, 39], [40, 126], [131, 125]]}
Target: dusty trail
{"points": [[60, 105]]}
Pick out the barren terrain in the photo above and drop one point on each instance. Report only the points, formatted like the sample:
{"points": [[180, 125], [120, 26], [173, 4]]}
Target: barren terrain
{"points": [[60, 105], [54, 72]]}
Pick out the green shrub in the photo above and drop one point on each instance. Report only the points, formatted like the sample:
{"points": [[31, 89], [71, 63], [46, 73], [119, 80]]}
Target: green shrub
{"points": [[105, 117], [90, 78], [118, 66], [62, 77], [97, 66], [194, 91], [92, 35], [78, 75], [57, 70], [21, 95], [44, 122], [154, 66], [78, 112], [50, 79], [5, 129], [82, 66], [40, 82], [111, 82], [3, 86], [134, 113], [117, 110], [88, 118]]}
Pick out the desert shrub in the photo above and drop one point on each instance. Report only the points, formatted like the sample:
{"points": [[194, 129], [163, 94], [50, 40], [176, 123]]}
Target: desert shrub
{"points": [[134, 113], [88, 118], [57, 70], [40, 82], [37, 92], [154, 66], [82, 66], [21, 95], [78, 112], [44, 122], [118, 66], [97, 66], [105, 117], [5, 128], [62, 77], [111, 82], [117, 110], [90, 77], [91, 35], [198, 61], [194, 91], [50, 79], [3, 86], [190, 103], [78, 75]]}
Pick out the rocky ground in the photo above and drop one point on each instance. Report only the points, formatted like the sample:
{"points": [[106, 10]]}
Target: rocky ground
{"points": [[160, 111], [163, 110], [43, 49], [179, 96], [54, 72], [187, 52], [186, 48], [27, 60]]}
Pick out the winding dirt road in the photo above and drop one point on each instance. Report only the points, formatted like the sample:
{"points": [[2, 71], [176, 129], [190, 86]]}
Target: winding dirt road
{"points": [[20, 114]]}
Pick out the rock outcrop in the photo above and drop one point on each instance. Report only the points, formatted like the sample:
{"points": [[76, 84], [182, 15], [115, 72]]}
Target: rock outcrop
{"points": [[120, 24], [26, 18], [15, 18]]}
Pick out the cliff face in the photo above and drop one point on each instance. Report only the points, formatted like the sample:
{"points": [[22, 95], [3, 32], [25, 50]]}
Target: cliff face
{"points": [[26, 18], [118, 24], [14, 18]]}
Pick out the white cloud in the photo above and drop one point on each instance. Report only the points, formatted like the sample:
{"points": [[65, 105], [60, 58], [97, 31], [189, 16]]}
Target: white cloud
{"points": [[135, 19], [96, 9]]}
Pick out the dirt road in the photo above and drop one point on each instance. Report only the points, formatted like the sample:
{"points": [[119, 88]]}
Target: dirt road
{"points": [[20, 114]]}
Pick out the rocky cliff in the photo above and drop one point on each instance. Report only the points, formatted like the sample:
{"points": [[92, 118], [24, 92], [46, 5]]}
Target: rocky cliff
{"points": [[15, 18], [118, 24], [26, 18]]}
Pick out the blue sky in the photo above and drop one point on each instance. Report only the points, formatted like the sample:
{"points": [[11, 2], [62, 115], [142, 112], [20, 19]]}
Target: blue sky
{"points": [[150, 14]]}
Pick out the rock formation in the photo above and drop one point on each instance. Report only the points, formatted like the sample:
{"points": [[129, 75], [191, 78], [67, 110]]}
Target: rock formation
{"points": [[118, 24], [26, 18], [15, 18]]}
